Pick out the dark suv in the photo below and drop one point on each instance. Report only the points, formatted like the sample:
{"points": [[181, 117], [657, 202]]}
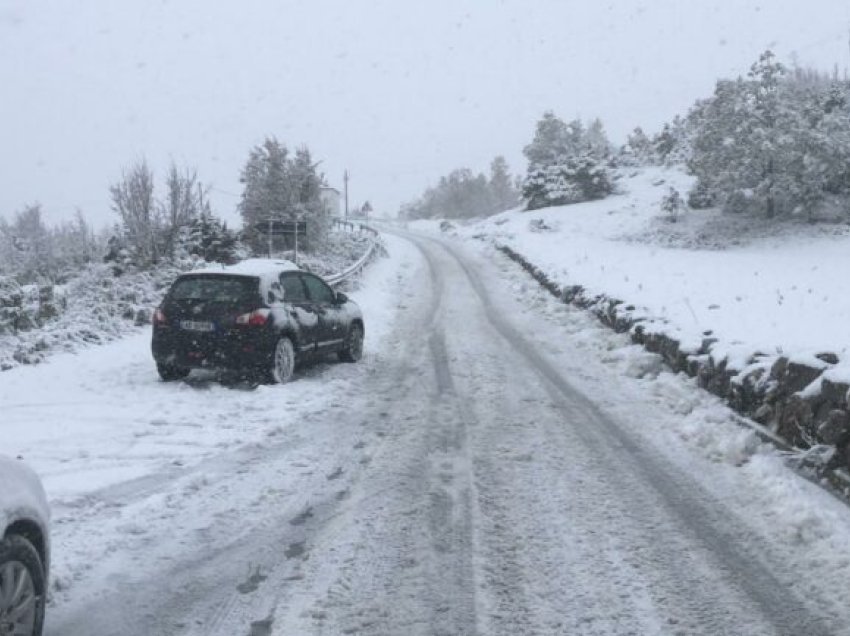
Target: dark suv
{"points": [[258, 317]]}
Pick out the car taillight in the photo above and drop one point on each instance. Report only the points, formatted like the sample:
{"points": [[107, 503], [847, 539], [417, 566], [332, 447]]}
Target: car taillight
{"points": [[159, 318], [256, 318]]}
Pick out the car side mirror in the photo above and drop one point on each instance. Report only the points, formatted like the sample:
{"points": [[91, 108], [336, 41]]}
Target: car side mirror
{"points": [[341, 298]]}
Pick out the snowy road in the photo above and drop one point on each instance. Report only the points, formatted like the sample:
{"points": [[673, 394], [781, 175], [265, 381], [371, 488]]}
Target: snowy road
{"points": [[497, 465]]}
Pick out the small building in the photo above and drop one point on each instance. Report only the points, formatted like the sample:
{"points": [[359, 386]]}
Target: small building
{"points": [[331, 199]]}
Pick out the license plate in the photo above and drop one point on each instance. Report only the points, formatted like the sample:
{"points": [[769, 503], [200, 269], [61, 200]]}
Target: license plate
{"points": [[196, 325]]}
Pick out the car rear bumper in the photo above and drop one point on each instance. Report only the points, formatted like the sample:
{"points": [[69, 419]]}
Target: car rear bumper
{"points": [[247, 349]]}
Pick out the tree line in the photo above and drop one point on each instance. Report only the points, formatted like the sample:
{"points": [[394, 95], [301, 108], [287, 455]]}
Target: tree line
{"points": [[173, 222], [567, 163], [463, 194], [775, 143]]}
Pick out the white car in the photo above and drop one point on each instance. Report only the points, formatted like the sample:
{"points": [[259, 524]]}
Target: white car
{"points": [[24, 550]]}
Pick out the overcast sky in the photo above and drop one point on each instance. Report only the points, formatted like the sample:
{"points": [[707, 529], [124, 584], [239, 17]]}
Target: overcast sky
{"points": [[398, 92]]}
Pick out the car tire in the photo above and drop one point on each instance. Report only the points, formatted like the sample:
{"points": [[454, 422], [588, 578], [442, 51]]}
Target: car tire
{"points": [[169, 372], [23, 584], [283, 361], [352, 348]]}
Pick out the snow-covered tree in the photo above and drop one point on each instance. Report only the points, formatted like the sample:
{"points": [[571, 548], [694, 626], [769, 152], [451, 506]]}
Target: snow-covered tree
{"points": [[637, 151], [28, 246], [572, 180], [306, 185], [133, 200], [773, 142], [567, 163], [75, 243], [208, 237], [183, 205], [550, 140], [597, 141], [503, 192], [672, 145], [278, 187], [672, 204]]}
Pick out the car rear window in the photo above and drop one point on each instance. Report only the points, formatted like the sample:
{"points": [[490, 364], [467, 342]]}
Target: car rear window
{"points": [[226, 289]]}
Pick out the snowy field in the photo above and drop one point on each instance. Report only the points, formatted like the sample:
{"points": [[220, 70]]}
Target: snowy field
{"points": [[754, 286]]}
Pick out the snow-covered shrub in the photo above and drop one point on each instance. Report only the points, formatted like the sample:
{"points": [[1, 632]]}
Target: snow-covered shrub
{"points": [[570, 180], [539, 225], [672, 204], [701, 197], [567, 163]]}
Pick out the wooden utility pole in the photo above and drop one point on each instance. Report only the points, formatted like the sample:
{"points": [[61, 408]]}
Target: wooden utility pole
{"points": [[345, 180]]}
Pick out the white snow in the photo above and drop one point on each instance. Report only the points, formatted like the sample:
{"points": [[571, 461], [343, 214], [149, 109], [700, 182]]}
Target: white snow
{"points": [[105, 433], [147, 478], [21, 494], [267, 270], [805, 524], [766, 289], [90, 419], [249, 267]]}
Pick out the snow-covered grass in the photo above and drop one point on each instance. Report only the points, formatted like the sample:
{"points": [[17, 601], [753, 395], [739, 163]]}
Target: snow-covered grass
{"points": [[754, 285]]}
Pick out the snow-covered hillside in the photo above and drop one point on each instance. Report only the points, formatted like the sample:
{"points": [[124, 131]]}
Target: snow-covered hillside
{"points": [[755, 287]]}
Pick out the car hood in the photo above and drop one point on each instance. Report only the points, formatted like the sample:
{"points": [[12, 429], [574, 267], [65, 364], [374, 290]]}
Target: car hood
{"points": [[21, 495]]}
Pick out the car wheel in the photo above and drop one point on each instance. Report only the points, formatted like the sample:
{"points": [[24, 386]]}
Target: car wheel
{"points": [[169, 372], [352, 349], [22, 588], [283, 361]]}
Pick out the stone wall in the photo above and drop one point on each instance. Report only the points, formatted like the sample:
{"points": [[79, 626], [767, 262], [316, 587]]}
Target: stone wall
{"points": [[795, 401], [23, 308]]}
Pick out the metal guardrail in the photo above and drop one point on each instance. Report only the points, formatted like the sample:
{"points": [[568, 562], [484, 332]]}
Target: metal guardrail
{"points": [[355, 226], [357, 268]]}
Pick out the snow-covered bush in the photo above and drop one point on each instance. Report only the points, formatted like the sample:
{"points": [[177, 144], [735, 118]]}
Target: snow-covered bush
{"points": [[567, 163], [570, 180], [672, 204]]}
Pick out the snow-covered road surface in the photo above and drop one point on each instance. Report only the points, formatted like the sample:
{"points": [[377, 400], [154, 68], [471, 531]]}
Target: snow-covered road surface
{"points": [[496, 465]]}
